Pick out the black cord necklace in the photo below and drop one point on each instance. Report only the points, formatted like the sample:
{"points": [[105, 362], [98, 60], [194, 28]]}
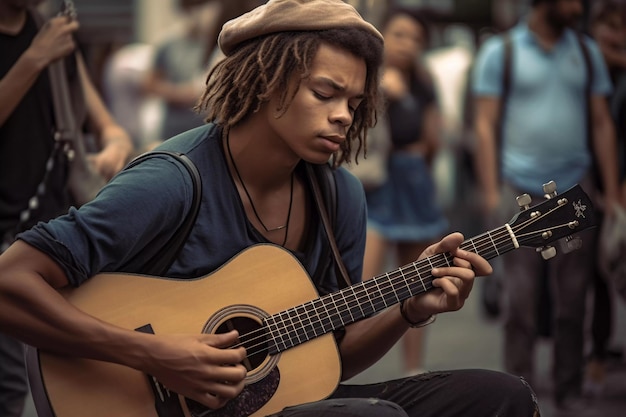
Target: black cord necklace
{"points": [[256, 214]]}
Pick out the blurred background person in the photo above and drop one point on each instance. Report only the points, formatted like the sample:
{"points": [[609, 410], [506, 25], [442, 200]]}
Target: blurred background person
{"points": [[33, 170], [403, 214], [544, 137], [122, 88], [180, 65], [607, 27], [183, 60]]}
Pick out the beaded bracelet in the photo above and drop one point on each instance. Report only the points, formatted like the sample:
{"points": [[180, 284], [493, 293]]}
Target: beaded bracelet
{"points": [[413, 324]]}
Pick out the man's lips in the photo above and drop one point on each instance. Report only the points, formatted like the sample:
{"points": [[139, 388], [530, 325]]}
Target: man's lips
{"points": [[333, 142], [334, 138]]}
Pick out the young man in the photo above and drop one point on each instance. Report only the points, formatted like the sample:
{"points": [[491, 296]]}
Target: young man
{"points": [[539, 133], [27, 142], [298, 86]]}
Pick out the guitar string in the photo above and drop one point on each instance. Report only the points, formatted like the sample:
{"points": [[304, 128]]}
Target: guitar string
{"points": [[339, 312], [311, 323], [485, 240]]}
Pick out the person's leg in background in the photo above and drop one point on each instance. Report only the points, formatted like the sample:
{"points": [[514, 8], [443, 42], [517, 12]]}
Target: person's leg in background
{"points": [[570, 275], [413, 339], [376, 249], [601, 329], [522, 272]]}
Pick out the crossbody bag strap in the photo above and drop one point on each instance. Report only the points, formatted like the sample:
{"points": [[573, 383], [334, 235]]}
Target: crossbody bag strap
{"points": [[588, 85], [595, 168], [324, 216], [507, 77], [161, 262]]}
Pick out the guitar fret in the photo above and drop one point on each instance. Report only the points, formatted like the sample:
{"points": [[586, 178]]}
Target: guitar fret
{"points": [[356, 301], [493, 243], [381, 292], [347, 303], [309, 329], [420, 276], [299, 331], [282, 335], [406, 283], [270, 323], [367, 294], [474, 246], [315, 318], [325, 321], [334, 311]]}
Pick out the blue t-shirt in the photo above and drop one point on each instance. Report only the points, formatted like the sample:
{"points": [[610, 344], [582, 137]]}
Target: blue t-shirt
{"points": [[544, 131], [141, 208], [181, 60]]}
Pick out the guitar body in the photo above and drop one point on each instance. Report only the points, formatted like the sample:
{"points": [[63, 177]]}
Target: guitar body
{"points": [[260, 279]]}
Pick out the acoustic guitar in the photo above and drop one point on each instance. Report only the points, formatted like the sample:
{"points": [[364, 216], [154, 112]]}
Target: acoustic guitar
{"points": [[266, 294]]}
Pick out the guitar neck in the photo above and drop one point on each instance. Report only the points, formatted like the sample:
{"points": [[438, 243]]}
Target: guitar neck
{"points": [[65, 123], [333, 311]]}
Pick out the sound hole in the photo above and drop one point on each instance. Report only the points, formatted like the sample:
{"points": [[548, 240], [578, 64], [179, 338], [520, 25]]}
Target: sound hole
{"points": [[251, 336], [263, 375]]}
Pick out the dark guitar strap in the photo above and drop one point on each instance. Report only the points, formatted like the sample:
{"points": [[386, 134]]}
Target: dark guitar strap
{"points": [[161, 262], [327, 206]]}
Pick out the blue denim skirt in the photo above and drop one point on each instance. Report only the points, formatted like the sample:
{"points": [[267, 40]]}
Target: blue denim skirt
{"points": [[405, 208]]}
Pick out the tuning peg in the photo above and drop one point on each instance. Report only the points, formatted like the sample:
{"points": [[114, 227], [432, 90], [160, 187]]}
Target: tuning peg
{"points": [[570, 243], [549, 189], [547, 252], [524, 201]]}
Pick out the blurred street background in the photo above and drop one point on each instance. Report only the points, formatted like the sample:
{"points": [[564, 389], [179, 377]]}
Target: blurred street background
{"points": [[119, 39]]}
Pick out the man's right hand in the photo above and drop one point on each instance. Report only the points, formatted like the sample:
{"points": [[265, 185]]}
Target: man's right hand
{"points": [[54, 40], [206, 368]]}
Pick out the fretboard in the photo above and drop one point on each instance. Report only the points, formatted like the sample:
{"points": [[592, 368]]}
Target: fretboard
{"points": [[307, 321]]}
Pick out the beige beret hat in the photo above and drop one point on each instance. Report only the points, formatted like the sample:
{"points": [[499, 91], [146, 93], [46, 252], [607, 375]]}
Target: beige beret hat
{"points": [[291, 15]]}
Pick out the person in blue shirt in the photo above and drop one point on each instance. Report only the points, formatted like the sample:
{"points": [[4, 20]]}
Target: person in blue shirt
{"points": [[536, 134], [298, 86]]}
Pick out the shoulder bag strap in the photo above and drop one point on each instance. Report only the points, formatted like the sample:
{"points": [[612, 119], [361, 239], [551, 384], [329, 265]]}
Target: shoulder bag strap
{"points": [[329, 181], [588, 84], [507, 70], [588, 117], [161, 262]]}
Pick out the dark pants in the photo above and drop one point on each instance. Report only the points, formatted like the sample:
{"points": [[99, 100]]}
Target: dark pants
{"points": [[13, 383], [462, 393], [569, 276], [602, 312]]}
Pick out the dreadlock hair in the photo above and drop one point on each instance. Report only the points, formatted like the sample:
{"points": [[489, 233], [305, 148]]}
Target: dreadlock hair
{"points": [[239, 84]]}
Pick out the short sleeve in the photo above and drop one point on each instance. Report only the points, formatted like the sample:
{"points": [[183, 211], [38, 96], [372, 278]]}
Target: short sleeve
{"points": [[129, 221], [487, 73], [601, 84]]}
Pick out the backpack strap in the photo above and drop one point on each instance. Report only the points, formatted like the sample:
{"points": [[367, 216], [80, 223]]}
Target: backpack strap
{"points": [[325, 194], [161, 262], [595, 169], [507, 77], [588, 85]]}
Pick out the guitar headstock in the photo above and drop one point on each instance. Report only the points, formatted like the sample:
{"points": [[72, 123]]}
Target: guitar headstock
{"points": [[558, 217]]}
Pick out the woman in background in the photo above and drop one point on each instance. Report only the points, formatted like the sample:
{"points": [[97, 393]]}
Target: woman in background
{"points": [[402, 212]]}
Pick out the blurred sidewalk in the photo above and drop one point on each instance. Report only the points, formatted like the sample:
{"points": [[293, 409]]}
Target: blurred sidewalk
{"points": [[466, 339]]}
